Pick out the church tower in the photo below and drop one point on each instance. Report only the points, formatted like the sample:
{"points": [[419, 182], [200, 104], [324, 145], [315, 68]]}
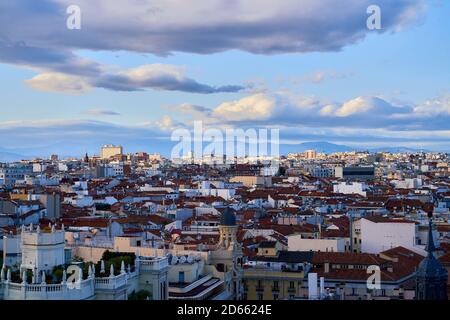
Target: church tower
{"points": [[431, 277], [228, 256], [228, 230]]}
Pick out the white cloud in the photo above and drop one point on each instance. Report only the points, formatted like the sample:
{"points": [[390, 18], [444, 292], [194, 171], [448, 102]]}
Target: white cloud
{"points": [[158, 77], [285, 109], [59, 82], [433, 107], [357, 105], [255, 107]]}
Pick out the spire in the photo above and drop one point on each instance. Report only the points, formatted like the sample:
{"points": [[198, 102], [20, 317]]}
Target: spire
{"points": [[431, 276], [102, 266], [89, 271], [43, 277], [111, 271], [8, 275], [430, 244], [64, 277], [24, 277], [92, 271], [122, 267]]}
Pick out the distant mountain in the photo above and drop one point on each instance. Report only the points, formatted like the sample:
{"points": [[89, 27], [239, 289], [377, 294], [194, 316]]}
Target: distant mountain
{"points": [[327, 147], [398, 150], [321, 146], [75, 149], [11, 157]]}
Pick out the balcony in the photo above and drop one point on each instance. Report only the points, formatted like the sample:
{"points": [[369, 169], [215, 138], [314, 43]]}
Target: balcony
{"points": [[275, 289]]}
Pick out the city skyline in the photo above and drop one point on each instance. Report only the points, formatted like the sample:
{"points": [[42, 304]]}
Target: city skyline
{"points": [[329, 79]]}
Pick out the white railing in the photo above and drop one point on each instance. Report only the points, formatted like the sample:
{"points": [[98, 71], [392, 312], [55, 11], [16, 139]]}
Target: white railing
{"points": [[111, 283], [70, 291]]}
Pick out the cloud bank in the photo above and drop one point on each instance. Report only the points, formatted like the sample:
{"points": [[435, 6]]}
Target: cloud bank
{"points": [[35, 35]]}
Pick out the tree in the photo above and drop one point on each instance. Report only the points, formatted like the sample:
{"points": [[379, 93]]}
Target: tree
{"points": [[140, 295], [281, 171]]}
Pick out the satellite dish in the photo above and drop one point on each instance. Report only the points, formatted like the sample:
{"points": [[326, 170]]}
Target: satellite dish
{"points": [[174, 260], [190, 259], [182, 259]]}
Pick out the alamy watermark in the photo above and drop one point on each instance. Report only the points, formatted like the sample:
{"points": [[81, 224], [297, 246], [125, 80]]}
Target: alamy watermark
{"points": [[373, 22], [73, 21], [226, 146], [374, 280]]}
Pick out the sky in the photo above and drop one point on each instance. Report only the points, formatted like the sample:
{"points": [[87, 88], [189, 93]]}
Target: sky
{"points": [[139, 69]]}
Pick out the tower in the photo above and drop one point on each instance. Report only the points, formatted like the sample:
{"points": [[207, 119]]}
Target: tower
{"points": [[228, 256], [228, 230], [431, 277]]}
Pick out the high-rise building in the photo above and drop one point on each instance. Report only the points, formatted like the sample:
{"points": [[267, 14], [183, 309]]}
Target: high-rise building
{"points": [[110, 150], [310, 154]]}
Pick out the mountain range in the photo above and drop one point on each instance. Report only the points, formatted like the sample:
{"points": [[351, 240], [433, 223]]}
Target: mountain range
{"points": [[10, 155]]}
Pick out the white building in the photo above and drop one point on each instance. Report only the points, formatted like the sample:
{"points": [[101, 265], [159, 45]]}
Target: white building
{"points": [[350, 188], [44, 250], [41, 251], [379, 234], [296, 243]]}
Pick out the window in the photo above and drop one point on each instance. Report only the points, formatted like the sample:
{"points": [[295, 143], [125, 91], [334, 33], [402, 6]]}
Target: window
{"points": [[181, 277], [275, 297], [260, 296], [292, 285]]}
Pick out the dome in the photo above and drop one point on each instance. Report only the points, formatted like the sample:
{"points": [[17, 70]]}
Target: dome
{"points": [[228, 218]]}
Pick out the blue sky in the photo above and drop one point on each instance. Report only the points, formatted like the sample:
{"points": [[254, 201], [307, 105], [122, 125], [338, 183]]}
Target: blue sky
{"points": [[321, 78]]}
